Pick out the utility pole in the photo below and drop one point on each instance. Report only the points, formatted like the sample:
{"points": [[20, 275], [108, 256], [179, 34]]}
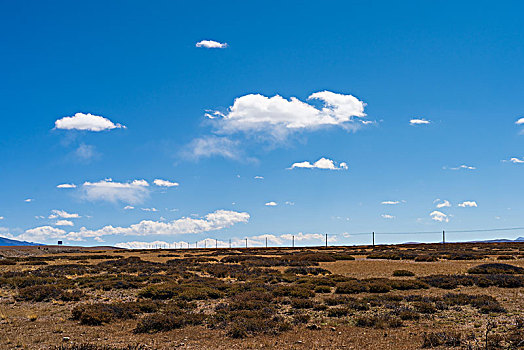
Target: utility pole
{"points": [[373, 238], [443, 237], [326, 240], [246, 242], [266, 242], [230, 243], [216, 243], [293, 244], [196, 244]]}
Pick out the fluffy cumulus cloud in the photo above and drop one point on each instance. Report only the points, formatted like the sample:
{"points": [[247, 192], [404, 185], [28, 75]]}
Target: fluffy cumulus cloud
{"points": [[439, 216], [271, 204], [322, 163], [55, 213], [89, 122], [42, 234], [211, 44], [468, 204], [216, 220], [419, 121], [165, 183], [252, 241], [108, 190], [520, 121], [278, 117], [66, 186]]}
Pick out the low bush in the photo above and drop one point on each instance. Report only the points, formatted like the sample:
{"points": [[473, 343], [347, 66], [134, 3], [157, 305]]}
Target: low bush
{"points": [[401, 273], [446, 338], [496, 268], [160, 322]]}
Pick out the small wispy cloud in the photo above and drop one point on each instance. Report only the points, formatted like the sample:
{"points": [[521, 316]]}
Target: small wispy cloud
{"points": [[271, 204], [439, 216], [64, 223], [66, 186], [514, 160], [28, 200], [468, 204], [387, 216], [165, 183], [461, 167], [322, 163], [390, 202], [211, 44], [55, 213], [259, 177], [442, 203], [419, 121], [149, 209]]}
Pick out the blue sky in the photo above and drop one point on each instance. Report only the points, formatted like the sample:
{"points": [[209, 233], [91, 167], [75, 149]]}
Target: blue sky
{"points": [[113, 96]]}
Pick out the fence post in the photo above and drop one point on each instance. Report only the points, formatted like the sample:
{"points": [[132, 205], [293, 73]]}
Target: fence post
{"points": [[326, 240], [443, 237], [373, 238], [216, 243], [246, 242], [230, 243], [266, 242], [293, 242]]}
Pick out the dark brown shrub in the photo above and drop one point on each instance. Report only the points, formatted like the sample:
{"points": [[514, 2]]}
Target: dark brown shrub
{"points": [[401, 273], [435, 339], [496, 268]]}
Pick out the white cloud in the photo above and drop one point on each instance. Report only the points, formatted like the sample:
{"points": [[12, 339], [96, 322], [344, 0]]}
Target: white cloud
{"points": [[463, 166], [418, 121], [42, 234], [515, 160], [211, 44], [62, 214], [390, 202], [149, 209], [90, 122], [520, 121], [85, 152], [439, 216], [2, 218], [259, 177], [443, 203], [278, 117], [64, 223], [387, 216], [271, 204], [322, 163], [289, 203], [308, 237], [469, 204], [165, 183], [107, 190], [209, 146], [28, 200], [66, 186], [129, 207], [216, 220]]}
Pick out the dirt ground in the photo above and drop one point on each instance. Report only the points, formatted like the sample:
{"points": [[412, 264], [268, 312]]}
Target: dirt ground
{"points": [[26, 324]]}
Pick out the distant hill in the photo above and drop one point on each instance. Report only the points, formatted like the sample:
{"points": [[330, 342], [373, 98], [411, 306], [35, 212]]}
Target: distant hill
{"points": [[12, 242], [497, 240]]}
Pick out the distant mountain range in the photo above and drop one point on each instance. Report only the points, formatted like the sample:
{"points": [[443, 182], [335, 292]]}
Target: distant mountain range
{"points": [[12, 242]]}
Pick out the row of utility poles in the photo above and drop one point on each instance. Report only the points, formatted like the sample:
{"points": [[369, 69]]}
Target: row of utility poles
{"points": [[160, 246]]}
